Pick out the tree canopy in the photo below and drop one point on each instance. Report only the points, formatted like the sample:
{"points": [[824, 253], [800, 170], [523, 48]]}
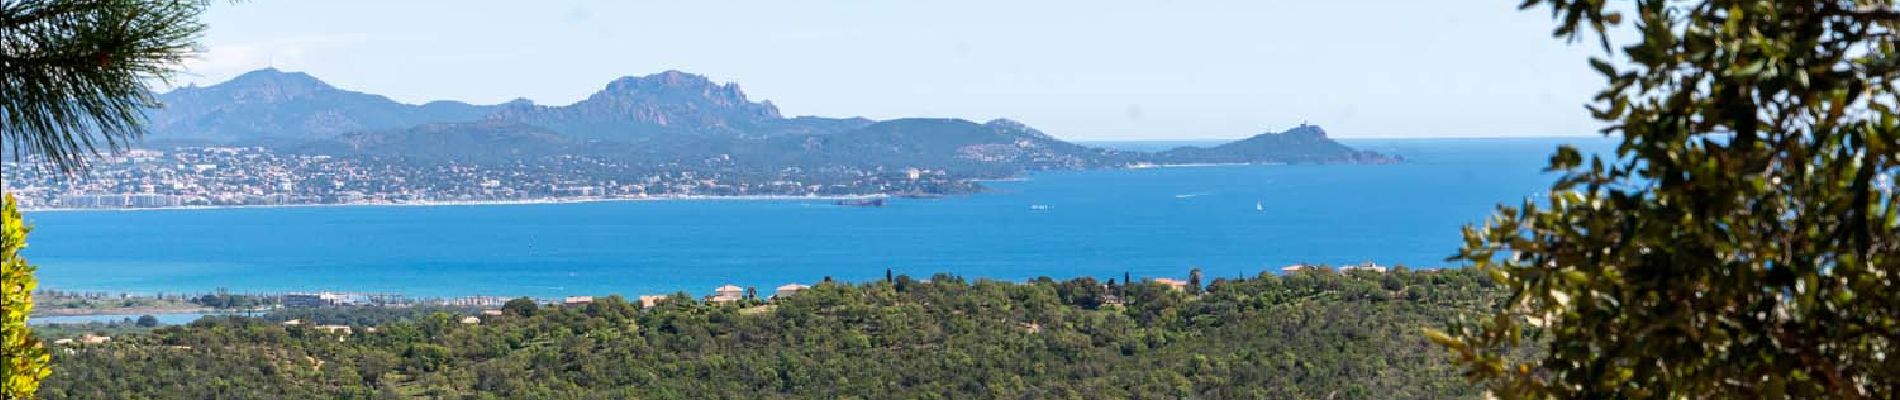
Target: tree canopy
{"points": [[74, 73], [24, 360], [1313, 334], [1739, 243]]}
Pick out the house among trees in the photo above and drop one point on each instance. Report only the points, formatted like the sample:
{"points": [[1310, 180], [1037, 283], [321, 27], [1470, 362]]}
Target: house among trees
{"points": [[1172, 283], [789, 289], [493, 312], [650, 300], [471, 320], [577, 300], [1367, 266], [335, 329], [93, 339], [727, 293]]}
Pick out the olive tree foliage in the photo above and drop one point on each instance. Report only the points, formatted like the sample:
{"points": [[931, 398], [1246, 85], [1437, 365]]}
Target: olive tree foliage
{"points": [[74, 73], [1741, 240], [23, 363]]}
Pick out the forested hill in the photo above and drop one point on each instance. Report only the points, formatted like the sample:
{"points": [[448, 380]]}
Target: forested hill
{"points": [[1313, 334], [1303, 144]]}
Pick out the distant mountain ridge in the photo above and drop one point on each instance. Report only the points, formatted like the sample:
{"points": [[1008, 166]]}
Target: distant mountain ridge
{"points": [[668, 117], [633, 108], [269, 103]]}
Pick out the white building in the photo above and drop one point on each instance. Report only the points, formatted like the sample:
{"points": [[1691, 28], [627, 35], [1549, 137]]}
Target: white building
{"points": [[789, 289], [727, 293]]}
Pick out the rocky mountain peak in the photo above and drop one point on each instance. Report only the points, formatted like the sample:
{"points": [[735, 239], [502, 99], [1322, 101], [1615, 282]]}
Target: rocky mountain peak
{"points": [[667, 79], [270, 85]]}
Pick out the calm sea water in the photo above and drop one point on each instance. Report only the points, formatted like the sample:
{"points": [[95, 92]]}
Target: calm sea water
{"points": [[1147, 222]]}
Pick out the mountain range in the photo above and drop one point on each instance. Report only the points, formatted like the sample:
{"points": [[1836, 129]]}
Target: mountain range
{"points": [[668, 116]]}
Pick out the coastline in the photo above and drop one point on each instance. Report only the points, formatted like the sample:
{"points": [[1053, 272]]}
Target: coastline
{"points": [[1204, 165], [75, 312], [1026, 176], [455, 203]]}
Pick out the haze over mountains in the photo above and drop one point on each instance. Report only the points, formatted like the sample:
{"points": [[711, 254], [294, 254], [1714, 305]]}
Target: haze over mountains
{"points": [[269, 103], [670, 115]]}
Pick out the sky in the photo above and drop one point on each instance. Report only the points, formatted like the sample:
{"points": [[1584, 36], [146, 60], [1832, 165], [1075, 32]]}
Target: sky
{"points": [[1093, 70]]}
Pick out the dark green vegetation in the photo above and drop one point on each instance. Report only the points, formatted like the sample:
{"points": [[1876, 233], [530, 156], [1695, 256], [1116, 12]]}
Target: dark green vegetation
{"points": [[1313, 334], [127, 326], [1744, 240], [23, 357]]}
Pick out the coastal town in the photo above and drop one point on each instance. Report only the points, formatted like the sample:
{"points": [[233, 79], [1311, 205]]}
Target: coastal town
{"points": [[261, 176]]}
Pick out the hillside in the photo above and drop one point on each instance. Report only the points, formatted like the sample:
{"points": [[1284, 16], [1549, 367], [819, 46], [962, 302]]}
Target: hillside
{"points": [[482, 141], [950, 144], [273, 104], [671, 102], [1303, 144], [1315, 334], [995, 148]]}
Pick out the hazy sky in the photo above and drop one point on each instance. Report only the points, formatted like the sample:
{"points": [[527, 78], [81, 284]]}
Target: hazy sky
{"points": [[1075, 69]]}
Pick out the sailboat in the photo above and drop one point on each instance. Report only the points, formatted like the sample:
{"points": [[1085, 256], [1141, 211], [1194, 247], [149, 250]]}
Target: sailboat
{"points": [[1260, 206]]}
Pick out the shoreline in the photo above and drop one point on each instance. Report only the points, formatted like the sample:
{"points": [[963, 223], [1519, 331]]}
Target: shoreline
{"points": [[1204, 165], [670, 197], [456, 203], [126, 311]]}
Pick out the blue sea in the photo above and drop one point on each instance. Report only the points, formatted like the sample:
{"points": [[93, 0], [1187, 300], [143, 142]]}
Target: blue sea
{"points": [[1227, 220]]}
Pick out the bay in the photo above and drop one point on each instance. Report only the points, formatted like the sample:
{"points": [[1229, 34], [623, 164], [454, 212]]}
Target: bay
{"points": [[1152, 222]]}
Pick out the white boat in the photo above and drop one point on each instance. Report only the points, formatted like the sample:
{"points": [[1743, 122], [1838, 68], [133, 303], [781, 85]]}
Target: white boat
{"points": [[1260, 206], [1039, 207]]}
